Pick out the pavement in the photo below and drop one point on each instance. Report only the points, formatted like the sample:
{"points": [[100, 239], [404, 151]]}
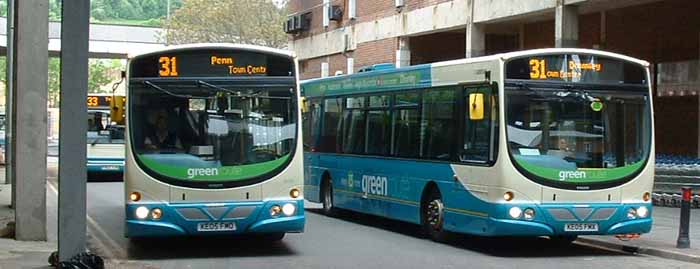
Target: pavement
{"points": [[661, 241]]}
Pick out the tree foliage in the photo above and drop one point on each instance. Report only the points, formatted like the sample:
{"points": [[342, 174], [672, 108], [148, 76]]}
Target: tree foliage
{"points": [[257, 22]]}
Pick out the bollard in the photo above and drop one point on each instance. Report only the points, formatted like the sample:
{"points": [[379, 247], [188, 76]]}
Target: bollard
{"points": [[683, 231]]}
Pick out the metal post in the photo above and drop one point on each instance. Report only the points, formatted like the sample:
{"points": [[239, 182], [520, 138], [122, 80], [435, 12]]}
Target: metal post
{"points": [[72, 172], [684, 229], [29, 134]]}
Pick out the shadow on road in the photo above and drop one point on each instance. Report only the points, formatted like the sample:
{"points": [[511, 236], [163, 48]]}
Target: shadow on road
{"points": [[205, 247], [534, 247]]}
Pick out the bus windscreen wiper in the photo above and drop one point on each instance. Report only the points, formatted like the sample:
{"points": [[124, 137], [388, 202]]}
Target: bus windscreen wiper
{"points": [[238, 93], [186, 96]]}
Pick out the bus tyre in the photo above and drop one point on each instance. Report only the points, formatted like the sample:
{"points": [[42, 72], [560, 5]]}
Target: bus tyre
{"points": [[433, 217], [327, 198], [563, 240]]}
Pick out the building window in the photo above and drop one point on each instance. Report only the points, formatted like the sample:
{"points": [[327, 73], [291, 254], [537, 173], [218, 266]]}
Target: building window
{"points": [[326, 13], [352, 9]]}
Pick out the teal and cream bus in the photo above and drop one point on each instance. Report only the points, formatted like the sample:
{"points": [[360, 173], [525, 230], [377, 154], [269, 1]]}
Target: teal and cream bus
{"points": [[212, 144], [550, 142]]}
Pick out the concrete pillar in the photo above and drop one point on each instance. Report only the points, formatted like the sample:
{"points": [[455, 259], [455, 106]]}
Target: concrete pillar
{"points": [[9, 78], [566, 26], [476, 40], [72, 172], [31, 72], [403, 53]]}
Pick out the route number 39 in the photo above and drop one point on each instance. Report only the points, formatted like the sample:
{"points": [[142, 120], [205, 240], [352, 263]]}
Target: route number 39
{"points": [[168, 66]]}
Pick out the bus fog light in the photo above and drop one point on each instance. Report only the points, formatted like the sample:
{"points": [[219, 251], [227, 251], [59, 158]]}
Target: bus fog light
{"points": [[515, 212], [631, 213], [294, 193], [288, 209], [142, 212], [529, 214], [135, 196], [157, 213], [642, 212], [275, 210]]}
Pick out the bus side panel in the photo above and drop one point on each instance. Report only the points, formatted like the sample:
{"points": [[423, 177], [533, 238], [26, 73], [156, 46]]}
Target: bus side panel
{"points": [[312, 177]]}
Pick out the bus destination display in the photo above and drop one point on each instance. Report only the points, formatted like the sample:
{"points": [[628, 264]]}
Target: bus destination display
{"points": [[575, 68], [99, 101], [211, 63]]}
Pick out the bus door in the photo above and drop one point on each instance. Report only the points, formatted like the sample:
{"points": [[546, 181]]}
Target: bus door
{"points": [[476, 127]]}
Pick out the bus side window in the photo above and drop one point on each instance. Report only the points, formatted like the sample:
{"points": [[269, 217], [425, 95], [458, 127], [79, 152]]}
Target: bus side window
{"points": [[478, 137], [328, 141]]}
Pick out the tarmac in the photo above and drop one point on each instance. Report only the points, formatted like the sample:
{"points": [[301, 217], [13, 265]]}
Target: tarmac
{"points": [[660, 242]]}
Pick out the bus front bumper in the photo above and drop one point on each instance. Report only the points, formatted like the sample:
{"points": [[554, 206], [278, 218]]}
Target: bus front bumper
{"points": [[559, 220], [199, 218]]}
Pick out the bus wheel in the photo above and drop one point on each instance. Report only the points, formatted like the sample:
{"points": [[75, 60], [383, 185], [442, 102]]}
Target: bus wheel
{"points": [[433, 217], [563, 240], [328, 207]]}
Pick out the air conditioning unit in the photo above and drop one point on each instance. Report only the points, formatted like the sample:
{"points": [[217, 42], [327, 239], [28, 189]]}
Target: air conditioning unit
{"points": [[335, 13], [304, 21], [289, 27]]}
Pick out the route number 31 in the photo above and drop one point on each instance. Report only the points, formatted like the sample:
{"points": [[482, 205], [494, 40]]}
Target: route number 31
{"points": [[538, 69], [168, 66]]}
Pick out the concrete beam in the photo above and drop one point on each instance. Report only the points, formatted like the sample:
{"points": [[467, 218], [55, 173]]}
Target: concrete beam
{"points": [[566, 26], [476, 40], [403, 53], [31, 71], [72, 172]]}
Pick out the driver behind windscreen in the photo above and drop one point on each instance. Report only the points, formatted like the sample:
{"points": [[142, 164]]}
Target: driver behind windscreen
{"points": [[162, 137]]}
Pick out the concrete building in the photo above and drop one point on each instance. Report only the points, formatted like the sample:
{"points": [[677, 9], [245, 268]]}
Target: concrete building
{"points": [[357, 33]]}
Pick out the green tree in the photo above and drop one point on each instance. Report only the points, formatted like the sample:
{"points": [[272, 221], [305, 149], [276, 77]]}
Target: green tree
{"points": [[257, 22]]}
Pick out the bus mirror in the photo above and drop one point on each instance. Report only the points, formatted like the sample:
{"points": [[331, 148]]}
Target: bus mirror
{"points": [[476, 106], [304, 105]]}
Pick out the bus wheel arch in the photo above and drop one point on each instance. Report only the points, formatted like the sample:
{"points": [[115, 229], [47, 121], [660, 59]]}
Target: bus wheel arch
{"points": [[432, 210], [326, 195]]}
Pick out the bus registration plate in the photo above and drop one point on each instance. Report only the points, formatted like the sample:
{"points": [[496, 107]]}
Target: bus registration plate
{"points": [[216, 226], [581, 227]]}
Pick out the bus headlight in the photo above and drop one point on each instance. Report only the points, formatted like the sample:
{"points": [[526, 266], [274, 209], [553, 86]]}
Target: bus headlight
{"points": [[631, 213], [515, 212], [275, 210], [529, 214], [157, 213], [288, 209], [142, 212], [642, 212]]}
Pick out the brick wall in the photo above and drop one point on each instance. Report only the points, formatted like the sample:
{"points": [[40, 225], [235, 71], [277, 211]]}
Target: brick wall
{"points": [[452, 46], [366, 10], [369, 53], [676, 123]]}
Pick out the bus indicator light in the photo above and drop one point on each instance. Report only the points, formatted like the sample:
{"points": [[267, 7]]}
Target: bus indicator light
{"points": [[508, 196], [294, 193], [135, 196]]}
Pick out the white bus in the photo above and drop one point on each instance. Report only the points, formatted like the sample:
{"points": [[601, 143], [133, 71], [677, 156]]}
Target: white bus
{"points": [[212, 144]]}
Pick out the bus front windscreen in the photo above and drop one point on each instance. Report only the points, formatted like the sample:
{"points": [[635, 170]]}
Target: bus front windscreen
{"points": [[578, 134], [577, 138], [204, 135]]}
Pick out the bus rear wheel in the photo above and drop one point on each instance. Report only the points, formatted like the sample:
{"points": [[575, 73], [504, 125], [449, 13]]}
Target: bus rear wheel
{"points": [[327, 198], [433, 217]]}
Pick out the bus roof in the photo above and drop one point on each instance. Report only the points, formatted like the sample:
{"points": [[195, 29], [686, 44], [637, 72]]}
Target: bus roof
{"points": [[421, 76], [254, 48]]}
